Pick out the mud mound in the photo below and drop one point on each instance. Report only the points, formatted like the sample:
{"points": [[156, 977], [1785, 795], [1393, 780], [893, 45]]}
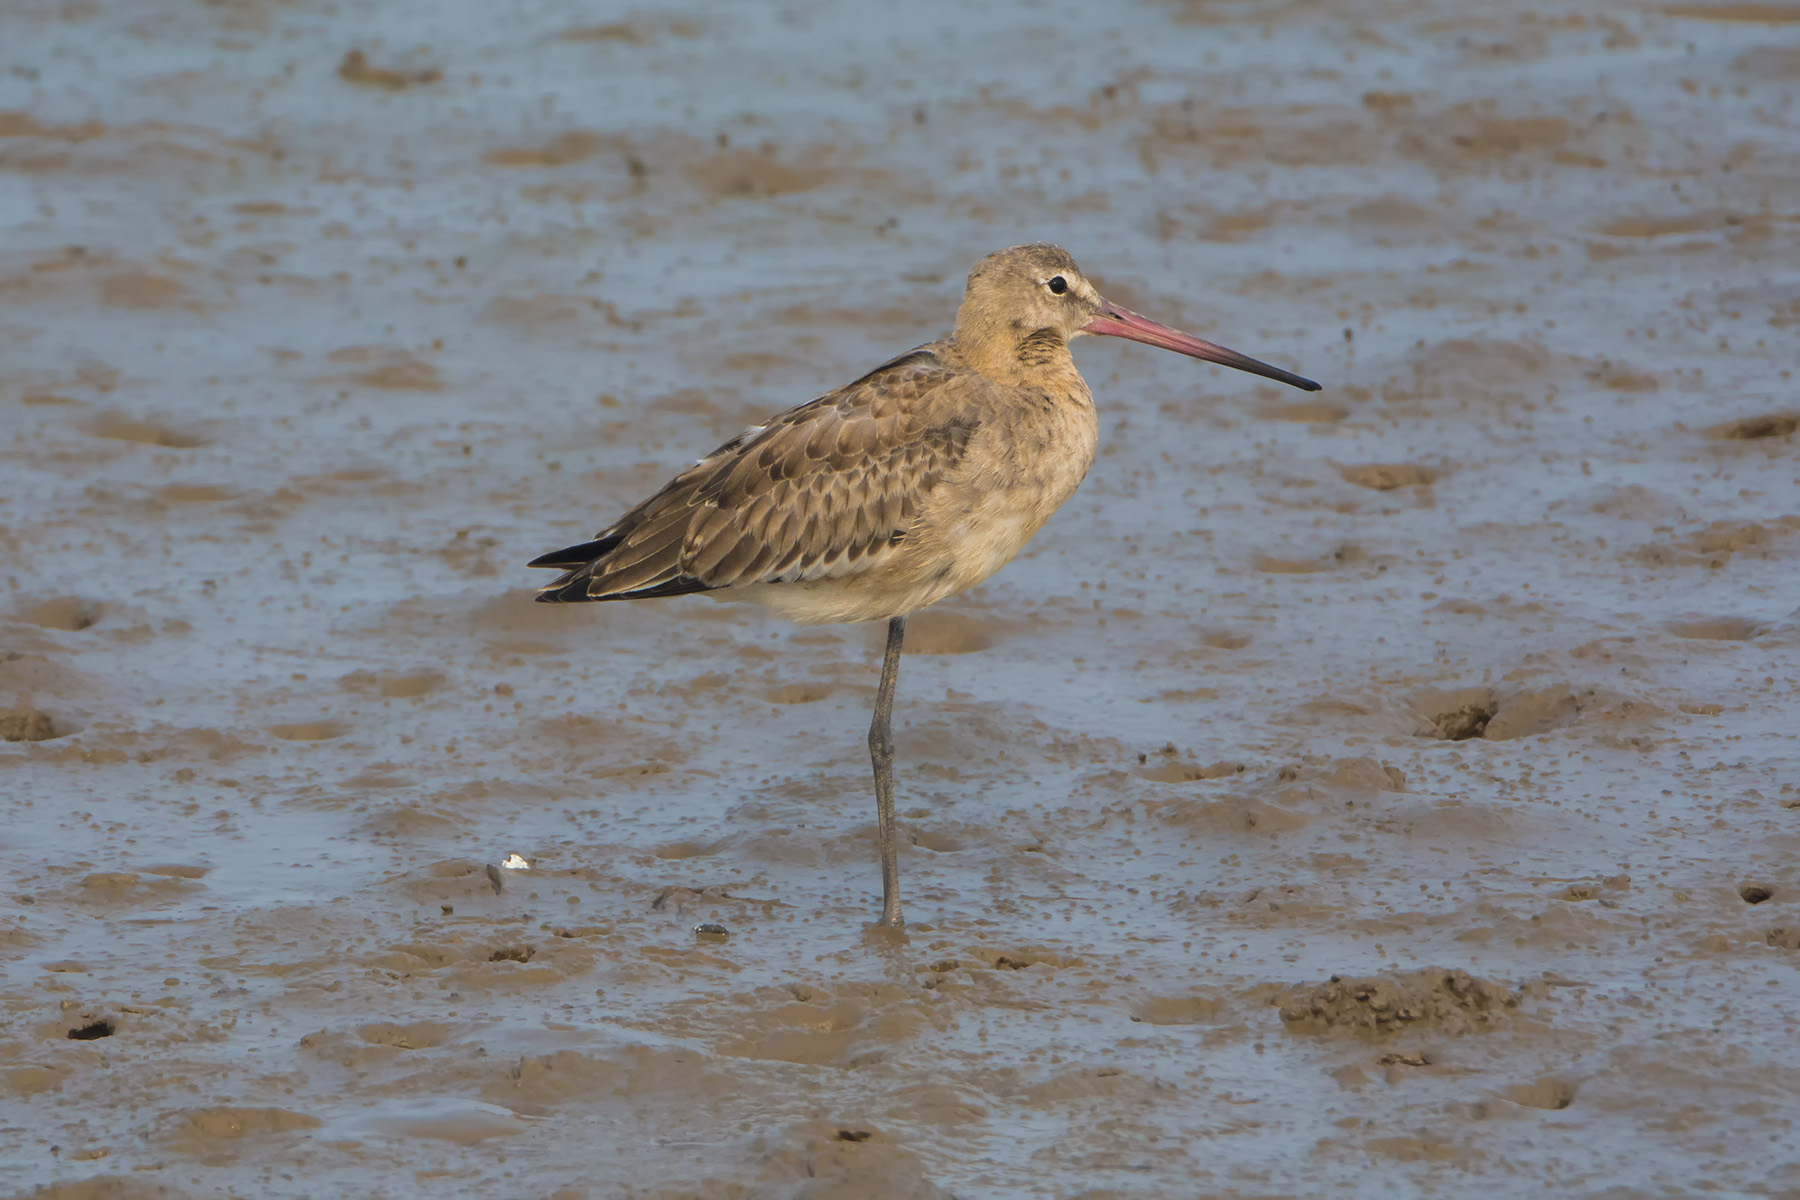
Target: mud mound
{"points": [[573, 146], [385, 368], [201, 1127], [107, 1187], [356, 69], [1715, 546], [1271, 804], [1385, 477], [1765, 425], [70, 614], [1186, 772], [1552, 1093], [828, 1160], [1479, 712], [122, 427], [26, 725], [1716, 629], [1447, 1002], [1199, 1009], [394, 685]]}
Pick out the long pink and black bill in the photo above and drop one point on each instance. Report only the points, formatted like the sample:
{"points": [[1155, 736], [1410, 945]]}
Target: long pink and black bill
{"points": [[1114, 321]]}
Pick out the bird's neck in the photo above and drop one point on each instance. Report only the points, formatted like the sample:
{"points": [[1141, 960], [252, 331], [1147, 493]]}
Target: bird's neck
{"points": [[1017, 356]]}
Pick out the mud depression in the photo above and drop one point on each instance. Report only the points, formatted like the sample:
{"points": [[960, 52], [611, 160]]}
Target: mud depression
{"points": [[1394, 788]]}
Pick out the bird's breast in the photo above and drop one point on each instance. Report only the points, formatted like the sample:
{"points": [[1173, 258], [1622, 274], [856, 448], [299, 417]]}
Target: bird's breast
{"points": [[1040, 447], [1021, 466]]}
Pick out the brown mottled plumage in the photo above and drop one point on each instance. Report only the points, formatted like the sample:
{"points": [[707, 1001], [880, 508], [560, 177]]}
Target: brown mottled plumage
{"points": [[918, 480], [823, 493]]}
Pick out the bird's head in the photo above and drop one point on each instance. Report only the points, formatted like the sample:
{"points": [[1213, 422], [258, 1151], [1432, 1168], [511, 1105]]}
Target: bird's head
{"points": [[1028, 302]]}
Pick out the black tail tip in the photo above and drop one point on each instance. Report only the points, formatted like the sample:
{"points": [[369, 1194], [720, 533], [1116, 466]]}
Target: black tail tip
{"points": [[576, 556], [565, 591]]}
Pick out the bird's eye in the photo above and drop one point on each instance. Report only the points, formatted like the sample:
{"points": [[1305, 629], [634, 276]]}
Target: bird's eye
{"points": [[1058, 284]]}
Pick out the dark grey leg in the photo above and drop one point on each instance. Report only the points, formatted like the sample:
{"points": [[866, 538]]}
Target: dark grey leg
{"points": [[881, 754]]}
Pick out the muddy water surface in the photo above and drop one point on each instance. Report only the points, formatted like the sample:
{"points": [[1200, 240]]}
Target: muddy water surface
{"points": [[1392, 790]]}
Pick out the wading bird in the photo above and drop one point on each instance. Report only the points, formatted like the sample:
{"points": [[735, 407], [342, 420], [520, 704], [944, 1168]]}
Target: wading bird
{"points": [[918, 480]]}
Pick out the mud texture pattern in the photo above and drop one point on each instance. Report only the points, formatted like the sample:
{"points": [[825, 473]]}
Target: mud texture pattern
{"points": [[1450, 1002]]}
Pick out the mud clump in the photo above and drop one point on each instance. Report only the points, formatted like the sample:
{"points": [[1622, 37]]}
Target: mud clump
{"points": [[201, 1130], [1768, 425], [121, 427], [1715, 546], [356, 69], [1463, 722], [1445, 1002], [1552, 1094], [566, 149], [26, 725], [92, 1031], [1717, 629], [1480, 712], [70, 614], [1184, 772], [419, 1035], [1386, 477]]}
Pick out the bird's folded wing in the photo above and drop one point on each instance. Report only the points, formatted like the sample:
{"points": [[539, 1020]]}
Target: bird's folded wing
{"points": [[825, 490]]}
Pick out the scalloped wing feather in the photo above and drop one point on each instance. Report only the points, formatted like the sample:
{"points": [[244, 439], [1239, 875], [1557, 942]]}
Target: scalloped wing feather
{"points": [[825, 490]]}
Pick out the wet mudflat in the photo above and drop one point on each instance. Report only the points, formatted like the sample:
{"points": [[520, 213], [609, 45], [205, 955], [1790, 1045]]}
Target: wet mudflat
{"points": [[1391, 790]]}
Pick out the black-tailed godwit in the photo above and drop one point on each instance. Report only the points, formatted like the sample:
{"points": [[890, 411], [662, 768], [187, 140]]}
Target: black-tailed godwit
{"points": [[918, 480]]}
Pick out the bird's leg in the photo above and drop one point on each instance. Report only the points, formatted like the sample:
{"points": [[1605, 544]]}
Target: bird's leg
{"points": [[881, 754]]}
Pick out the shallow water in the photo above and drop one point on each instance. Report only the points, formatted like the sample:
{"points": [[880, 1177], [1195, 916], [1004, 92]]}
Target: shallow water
{"points": [[1483, 659]]}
